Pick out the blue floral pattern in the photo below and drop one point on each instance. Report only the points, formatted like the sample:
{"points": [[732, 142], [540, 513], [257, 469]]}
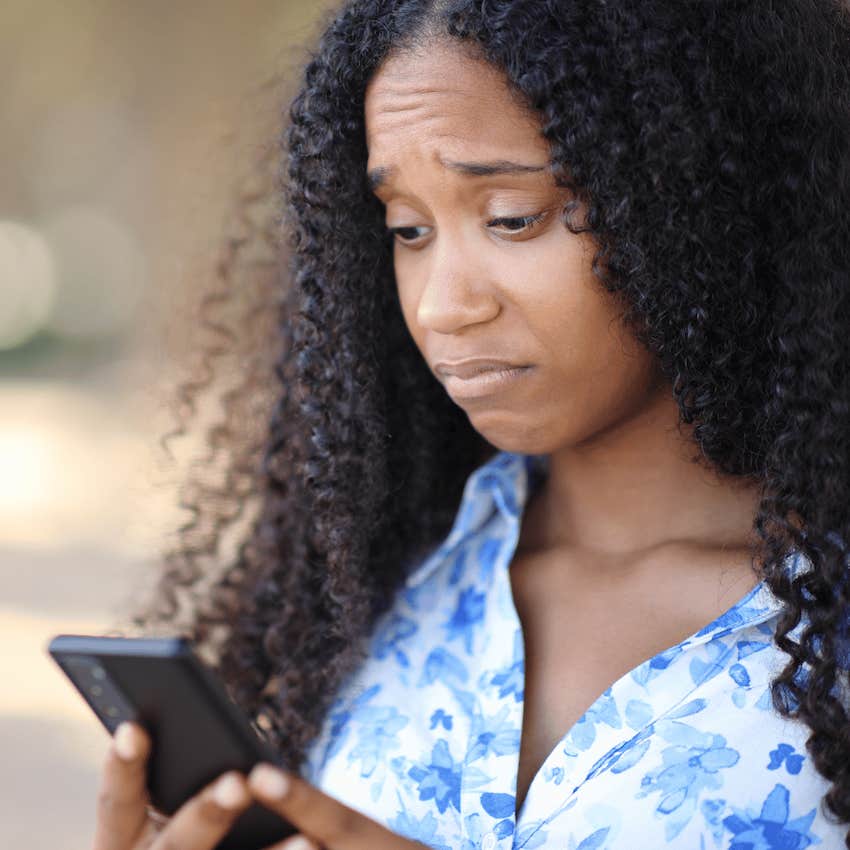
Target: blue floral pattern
{"points": [[685, 751]]}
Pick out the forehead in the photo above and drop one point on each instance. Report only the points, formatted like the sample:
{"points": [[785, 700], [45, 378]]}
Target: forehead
{"points": [[443, 96]]}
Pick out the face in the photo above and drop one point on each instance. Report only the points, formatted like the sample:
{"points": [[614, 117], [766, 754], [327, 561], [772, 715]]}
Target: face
{"points": [[486, 270]]}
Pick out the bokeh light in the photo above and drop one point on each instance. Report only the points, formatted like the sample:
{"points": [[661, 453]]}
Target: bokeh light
{"points": [[27, 283], [100, 270], [73, 467]]}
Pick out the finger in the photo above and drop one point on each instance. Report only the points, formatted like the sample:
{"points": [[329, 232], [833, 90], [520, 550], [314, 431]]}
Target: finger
{"points": [[202, 821], [327, 821], [296, 842], [122, 797]]}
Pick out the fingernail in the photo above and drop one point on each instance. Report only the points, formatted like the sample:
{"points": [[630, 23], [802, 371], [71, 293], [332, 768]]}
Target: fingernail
{"points": [[301, 843], [269, 781], [229, 792], [126, 744]]}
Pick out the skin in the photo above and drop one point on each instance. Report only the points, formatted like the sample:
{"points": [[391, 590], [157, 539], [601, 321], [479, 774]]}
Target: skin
{"points": [[201, 822], [604, 540]]}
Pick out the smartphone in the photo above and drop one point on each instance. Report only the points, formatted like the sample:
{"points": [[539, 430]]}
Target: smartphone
{"points": [[197, 731]]}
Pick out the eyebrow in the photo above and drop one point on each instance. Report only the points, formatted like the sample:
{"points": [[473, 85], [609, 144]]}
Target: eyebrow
{"points": [[378, 176]]}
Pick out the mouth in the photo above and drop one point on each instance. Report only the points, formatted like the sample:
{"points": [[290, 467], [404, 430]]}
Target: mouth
{"points": [[472, 367], [484, 382]]}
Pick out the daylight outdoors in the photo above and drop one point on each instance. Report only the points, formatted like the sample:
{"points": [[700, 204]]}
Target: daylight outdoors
{"points": [[126, 130]]}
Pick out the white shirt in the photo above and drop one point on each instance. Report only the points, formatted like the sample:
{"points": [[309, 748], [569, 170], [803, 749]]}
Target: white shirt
{"points": [[685, 751]]}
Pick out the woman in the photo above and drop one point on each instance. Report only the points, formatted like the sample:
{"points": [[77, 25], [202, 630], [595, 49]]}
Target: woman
{"points": [[550, 550]]}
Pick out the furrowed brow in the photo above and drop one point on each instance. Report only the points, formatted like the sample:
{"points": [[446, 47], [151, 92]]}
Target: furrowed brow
{"points": [[486, 169], [378, 176]]}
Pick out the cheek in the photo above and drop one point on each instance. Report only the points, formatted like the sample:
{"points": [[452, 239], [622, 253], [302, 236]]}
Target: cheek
{"points": [[594, 368], [589, 345], [560, 300], [601, 376]]}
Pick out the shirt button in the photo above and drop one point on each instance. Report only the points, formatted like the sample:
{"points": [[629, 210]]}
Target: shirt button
{"points": [[489, 841]]}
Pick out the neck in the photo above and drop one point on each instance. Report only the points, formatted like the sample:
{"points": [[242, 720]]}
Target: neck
{"points": [[635, 487]]}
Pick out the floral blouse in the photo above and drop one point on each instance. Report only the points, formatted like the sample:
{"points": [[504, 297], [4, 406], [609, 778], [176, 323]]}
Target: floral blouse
{"points": [[684, 751]]}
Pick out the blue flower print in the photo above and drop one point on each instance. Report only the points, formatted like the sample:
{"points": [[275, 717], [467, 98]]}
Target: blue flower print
{"points": [[377, 734], [739, 675], [422, 829], [702, 671], [467, 615], [498, 805], [594, 841], [785, 753], [443, 666], [604, 710], [690, 765], [624, 755], [440, 780], [748, 647], [653, 668], [499, 481], [391, 634], [458, 567], [439, 717], [474, 832], [712, 810], [770, 829], [497, 734], [765, 701], [488, 554], [511, 680], [532, 836], [627, 754], [554, 774], [638, 713], [339, 719]]}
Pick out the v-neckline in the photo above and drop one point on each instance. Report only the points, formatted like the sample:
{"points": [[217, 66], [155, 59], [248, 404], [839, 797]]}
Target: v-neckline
{"points": [[618, 689]]}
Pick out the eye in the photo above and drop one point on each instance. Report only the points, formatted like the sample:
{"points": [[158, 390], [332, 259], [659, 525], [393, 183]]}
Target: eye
{"points": [[511, 224], [407, 234], [516, 224]]}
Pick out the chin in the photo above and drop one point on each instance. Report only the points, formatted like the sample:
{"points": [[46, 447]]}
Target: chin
{"points": [[510, 433]]}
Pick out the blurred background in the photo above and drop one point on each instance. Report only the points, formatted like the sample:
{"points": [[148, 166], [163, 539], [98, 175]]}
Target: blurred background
{"points": [[126, 128]]}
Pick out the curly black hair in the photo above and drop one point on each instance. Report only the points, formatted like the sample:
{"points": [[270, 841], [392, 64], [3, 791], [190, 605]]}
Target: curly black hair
{"points": [[709, 143]]}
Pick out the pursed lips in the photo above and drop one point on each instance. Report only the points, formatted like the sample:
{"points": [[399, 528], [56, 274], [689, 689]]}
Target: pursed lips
{"points": [[469, 368]]}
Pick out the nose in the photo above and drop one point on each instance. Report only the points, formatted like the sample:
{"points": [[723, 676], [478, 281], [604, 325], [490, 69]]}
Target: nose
{"points": [[456, 292]]}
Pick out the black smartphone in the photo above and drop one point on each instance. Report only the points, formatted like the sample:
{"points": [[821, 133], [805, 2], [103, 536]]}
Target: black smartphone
{"points": [[197, 731]]}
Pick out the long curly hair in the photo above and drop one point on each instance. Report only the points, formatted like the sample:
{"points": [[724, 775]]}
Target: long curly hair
{"points": [[709, 146]]}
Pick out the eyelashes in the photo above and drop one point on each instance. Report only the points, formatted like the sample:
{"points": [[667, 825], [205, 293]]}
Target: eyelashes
{"points": [[405, 234], [522, 222], [510, 224]]}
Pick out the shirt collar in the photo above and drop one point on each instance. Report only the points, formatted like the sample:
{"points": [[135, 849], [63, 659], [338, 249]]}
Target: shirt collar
{"points": [[501, 484]]}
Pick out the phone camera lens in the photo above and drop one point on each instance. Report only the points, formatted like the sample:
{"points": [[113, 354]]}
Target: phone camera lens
{"points": [[98, 673], [96, 690], [112, 711]]}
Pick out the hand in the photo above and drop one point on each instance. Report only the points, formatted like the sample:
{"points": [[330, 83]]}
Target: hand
{"points": [[123, 803], [123, 821], [326, 823]]}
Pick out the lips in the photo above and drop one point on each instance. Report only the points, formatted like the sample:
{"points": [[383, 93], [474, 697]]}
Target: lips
{"points": [[466, 369]]}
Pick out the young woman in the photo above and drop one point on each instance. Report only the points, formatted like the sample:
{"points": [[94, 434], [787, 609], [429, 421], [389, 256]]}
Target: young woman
{"points": [[554, 499]]}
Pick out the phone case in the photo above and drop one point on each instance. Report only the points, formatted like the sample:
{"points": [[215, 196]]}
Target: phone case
{"points": [[198, 732]]}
